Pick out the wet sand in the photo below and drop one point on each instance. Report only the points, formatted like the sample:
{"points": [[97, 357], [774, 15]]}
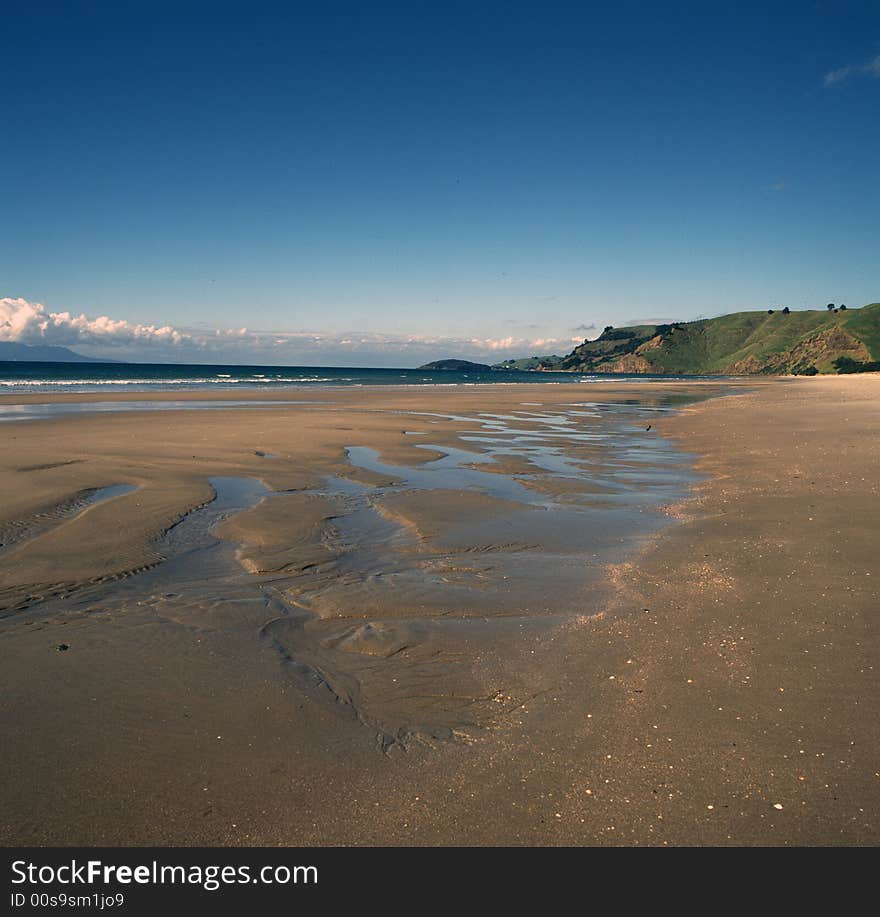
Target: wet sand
{"points": [[363, 657]]}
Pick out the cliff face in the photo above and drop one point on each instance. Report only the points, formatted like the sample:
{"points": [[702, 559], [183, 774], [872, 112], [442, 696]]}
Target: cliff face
{"points": [[821, 349], [804, 342]]}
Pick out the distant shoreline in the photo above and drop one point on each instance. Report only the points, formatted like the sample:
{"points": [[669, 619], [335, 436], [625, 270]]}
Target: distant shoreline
{"points": [[45, 378]]}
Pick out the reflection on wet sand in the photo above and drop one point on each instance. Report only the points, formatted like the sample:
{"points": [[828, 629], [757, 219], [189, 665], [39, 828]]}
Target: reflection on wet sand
{"points": [[406, 602], [417, 616]]}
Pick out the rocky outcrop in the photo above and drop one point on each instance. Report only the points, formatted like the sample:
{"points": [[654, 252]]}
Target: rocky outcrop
{"points": [[818, 352]]}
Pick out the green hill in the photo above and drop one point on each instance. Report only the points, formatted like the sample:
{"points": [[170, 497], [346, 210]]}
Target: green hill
{"points": [[459, 366], [771, 342], [527, 363]]}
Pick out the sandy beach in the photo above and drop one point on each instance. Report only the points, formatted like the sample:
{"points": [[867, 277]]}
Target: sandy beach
{"points": [[634, 614]]}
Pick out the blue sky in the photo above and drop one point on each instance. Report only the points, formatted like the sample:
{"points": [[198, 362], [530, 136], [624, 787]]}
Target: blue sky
{"points": [[378, 184]]}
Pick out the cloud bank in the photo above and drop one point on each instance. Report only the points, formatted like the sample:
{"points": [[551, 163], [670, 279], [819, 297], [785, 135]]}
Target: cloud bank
{"points": [[28, 322], [31, 323]]}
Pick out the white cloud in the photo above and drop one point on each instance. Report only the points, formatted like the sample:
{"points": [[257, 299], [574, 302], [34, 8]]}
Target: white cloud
{"points": [[33, 323], [833, 77], [650, 321], [872, 68], [842, 74]]}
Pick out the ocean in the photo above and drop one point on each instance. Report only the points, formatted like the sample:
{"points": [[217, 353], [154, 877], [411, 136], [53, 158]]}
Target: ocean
{"points": [[21, 377]]}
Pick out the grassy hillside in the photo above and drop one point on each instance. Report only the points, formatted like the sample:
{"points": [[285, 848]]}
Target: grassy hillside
{"points": [[527, 363], [809, 342]]}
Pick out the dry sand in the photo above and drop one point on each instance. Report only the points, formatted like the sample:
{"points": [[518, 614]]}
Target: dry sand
{"points": [[718, 686]]}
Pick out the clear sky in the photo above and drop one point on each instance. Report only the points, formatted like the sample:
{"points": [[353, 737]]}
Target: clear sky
{"points": [[381, 184]]}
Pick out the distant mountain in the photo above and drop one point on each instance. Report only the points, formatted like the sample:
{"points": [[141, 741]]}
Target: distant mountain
{"points": [[9, 350], [459, 366], [806, 342], [527, 363]]}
